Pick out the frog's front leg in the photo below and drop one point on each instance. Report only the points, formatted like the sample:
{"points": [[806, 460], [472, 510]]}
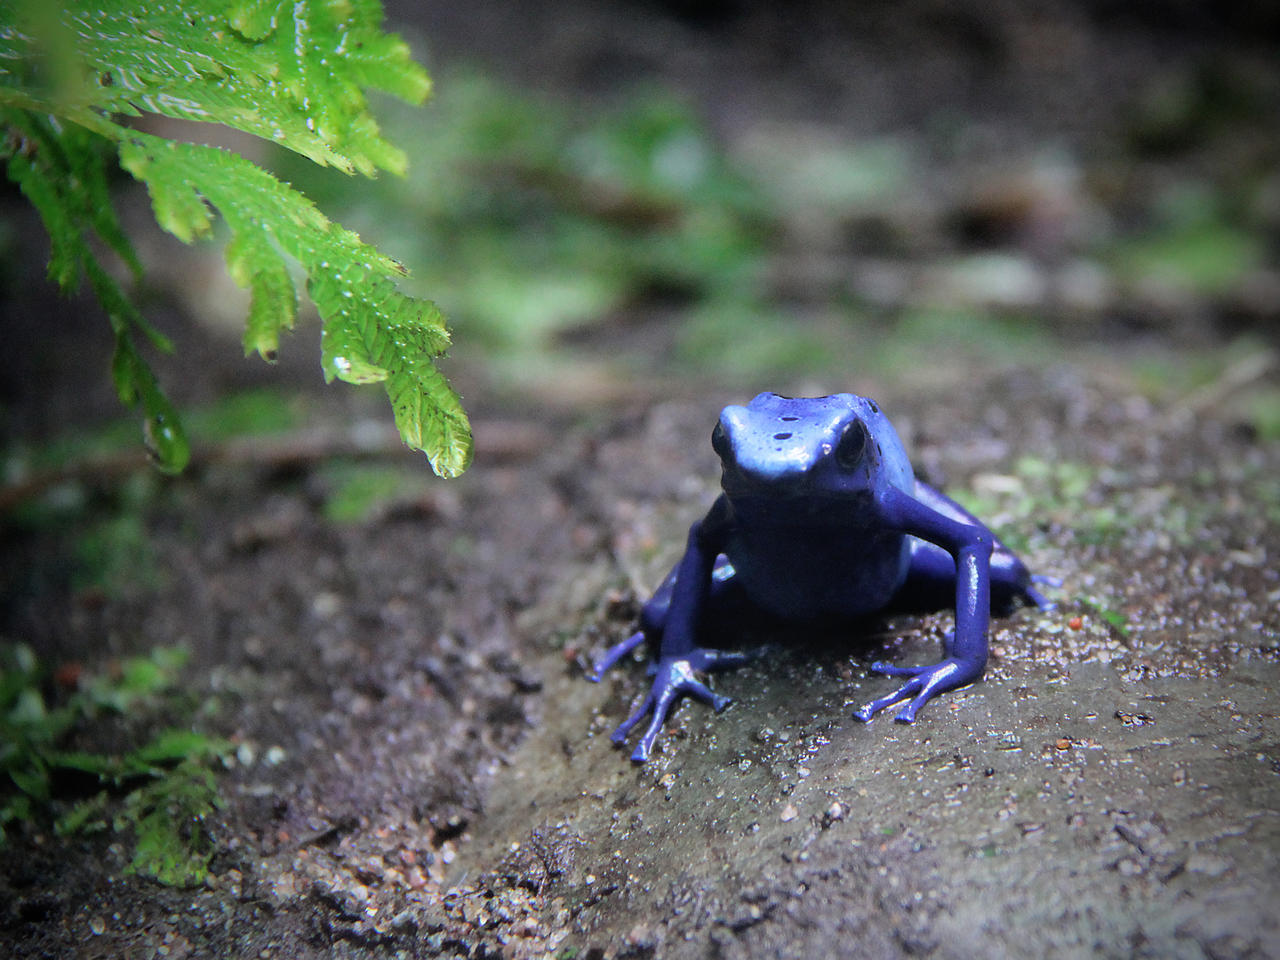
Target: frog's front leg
{"points": [[679, 657], [965, 652]]}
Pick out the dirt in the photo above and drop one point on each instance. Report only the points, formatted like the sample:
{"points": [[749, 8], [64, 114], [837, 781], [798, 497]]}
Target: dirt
{"points": [[423, 768]]}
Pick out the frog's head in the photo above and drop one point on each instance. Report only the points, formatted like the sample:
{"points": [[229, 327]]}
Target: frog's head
{"points": [[835, 446]]}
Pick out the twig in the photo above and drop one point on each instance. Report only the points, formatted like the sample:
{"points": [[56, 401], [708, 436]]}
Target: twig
{"points": [[1237, 376], [495, 440]]}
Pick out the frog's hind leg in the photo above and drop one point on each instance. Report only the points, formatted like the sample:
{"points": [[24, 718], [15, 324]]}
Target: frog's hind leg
{"points": [[653, 617], [932, 573], [930, 583], [1038, 598], [614, 654]]}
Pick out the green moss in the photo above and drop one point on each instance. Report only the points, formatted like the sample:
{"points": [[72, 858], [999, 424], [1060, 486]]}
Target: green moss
{"points": [[114, 554], [1106, 612], [160, 792], [1046, 492], [1204, 257], [114, 551]]}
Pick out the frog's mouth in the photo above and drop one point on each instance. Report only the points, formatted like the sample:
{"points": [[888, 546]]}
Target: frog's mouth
{"points": [[812, 485], [767, 510], [739, 481]]}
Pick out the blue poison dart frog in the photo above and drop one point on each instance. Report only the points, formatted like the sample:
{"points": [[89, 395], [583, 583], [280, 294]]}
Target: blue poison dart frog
{"points": [[821, 518]]}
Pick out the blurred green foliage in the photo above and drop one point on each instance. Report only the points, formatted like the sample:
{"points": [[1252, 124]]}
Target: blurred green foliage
{"points": [[114, 553], [160, 792], [534, 220], [1193, 244], [526, 219], [109, 543], [246, 413], [361, 492]]}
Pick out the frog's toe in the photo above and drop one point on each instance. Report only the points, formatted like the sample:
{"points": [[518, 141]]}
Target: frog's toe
{"points": [[1039, 599], [908, 713], [890, 670], [661, 703], [923, 684], [619, 735], [717, 702], [915, 687], [614, 654], [869, 710], [648, 738]]}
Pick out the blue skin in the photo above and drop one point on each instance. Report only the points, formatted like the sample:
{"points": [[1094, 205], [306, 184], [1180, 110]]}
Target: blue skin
{"points": [[821, 518]]}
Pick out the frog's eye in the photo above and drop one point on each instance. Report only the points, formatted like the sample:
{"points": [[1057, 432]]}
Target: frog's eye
{"points": [[720, 440], [852, 443]]}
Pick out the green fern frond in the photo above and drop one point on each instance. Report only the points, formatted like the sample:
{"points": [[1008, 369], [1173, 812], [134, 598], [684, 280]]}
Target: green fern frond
{"points": [[63, 174], [273, 301], [292, 71], [372, 331]]}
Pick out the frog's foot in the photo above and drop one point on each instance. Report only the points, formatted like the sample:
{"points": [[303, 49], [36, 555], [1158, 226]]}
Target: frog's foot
{"points": [[673, 677], [925, 683], [1038, 598], [614, 654]]}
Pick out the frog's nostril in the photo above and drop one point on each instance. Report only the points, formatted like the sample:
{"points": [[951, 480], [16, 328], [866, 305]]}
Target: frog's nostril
{"points": [[782, 436]]}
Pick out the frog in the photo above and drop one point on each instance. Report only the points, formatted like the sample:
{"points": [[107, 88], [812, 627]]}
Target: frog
{"points": [[820, 519]]}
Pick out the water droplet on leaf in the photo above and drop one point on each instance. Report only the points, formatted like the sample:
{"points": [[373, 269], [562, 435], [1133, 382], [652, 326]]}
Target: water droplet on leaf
{"points": [[166, 442]]}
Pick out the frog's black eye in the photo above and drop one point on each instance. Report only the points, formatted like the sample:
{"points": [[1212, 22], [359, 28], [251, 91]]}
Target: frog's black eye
{"points": [[720, 440], [851, 446]]}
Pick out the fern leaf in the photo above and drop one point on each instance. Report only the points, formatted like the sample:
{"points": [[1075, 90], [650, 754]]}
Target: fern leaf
{"points": [[382, 61], [283, 70], [36, 165], [90, 171], [177, 203], [430, 416], [372, 332], [253, 19], [65, 179], [273, 301], [135, 384], [66, 243], [292, 71]]}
